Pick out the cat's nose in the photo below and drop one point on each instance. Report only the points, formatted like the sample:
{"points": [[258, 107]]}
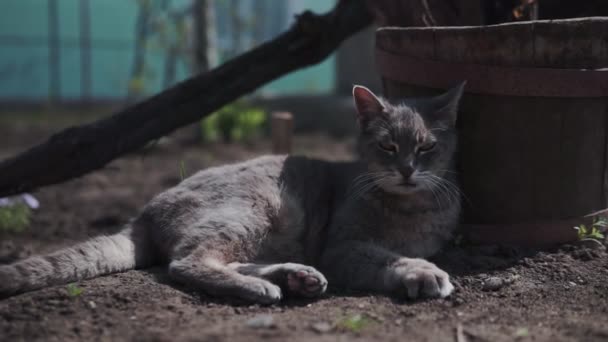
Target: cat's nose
{"points": [[406, 171]]}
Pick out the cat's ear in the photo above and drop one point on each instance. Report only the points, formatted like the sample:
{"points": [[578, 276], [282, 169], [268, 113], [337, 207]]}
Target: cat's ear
{"points": [[367, 103], [445, 106]]}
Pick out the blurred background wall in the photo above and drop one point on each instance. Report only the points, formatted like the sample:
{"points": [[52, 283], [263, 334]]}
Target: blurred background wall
{"points": [[109, 50]]}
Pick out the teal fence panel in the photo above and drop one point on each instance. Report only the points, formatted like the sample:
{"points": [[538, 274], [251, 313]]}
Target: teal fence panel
{"points": [[75, 50]]}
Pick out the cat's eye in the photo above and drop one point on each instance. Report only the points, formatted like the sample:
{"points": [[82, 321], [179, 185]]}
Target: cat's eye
{"points": [[388, 147], [427, 147]]}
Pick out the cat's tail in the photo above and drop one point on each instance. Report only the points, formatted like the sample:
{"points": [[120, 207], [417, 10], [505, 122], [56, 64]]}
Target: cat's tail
{"points": [[101, 255]]}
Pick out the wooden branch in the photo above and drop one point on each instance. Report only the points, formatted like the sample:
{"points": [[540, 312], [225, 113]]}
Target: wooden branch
{"points": [[78, 150]]}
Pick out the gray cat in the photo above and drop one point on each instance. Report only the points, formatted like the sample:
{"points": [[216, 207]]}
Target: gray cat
{"points": [[279, 225]]}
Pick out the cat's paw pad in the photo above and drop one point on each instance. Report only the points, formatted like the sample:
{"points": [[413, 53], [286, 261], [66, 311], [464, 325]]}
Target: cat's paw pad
{"points": [[306, 282], [419, 278]]}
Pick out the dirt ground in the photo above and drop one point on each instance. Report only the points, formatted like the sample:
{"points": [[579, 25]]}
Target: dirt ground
{"points": [[502, 293]]}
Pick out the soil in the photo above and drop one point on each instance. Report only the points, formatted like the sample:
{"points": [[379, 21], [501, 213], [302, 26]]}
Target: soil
{"points": [[502, 293]]}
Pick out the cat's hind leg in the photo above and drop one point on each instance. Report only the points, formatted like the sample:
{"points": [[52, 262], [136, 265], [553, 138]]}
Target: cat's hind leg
{"points": [[213, 277], [295, 279]]}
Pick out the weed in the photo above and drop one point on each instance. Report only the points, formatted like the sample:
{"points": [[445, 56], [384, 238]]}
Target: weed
{"points": [[182, 170], [14, 217], [595, 231], [74, 290], [234, 122], [354, 323]]}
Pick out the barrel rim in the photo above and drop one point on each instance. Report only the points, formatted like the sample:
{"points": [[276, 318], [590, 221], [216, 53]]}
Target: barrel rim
{"points": [[487, 78], [477, 27]]}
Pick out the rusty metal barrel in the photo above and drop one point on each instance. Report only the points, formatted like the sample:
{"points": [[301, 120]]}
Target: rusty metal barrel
{"points": [[533, 123]]}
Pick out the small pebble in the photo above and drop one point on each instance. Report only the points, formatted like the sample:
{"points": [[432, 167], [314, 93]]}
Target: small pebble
{"points": [[92, 305], [457, 301], [321, 327], [261, 322], [493, 284], [408, 313]]}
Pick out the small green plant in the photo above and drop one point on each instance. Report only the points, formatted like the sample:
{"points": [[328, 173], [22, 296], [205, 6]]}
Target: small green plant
{"points": [[182, 170], [595, 231], [234, 122], [14, 218], [74, 290], [353, 323]]}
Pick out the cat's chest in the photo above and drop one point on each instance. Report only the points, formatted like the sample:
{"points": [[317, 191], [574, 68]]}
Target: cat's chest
{"points": [[413, 236], [410, 233]]}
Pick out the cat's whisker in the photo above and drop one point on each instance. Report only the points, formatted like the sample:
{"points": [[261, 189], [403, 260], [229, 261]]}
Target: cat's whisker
{"points": [[433, 193], [449, 171], [443, 190], [451, 187], [366, 182], [442, 194], [458, 191], [365, 187], [365, 177], [450, 195], [361, 190]]}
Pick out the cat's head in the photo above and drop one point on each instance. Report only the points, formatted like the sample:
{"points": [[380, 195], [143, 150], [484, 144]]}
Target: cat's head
{"points": [[407, 144]]}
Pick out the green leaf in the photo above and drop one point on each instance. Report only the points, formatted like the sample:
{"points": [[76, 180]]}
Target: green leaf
{"points": [[182, 170], [74, 290], [600, 222], [354, 323], [592, 232]]}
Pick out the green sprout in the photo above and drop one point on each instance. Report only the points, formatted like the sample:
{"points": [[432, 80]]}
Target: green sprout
{"points": [[14, 218], [74, 290], [595, 231], [182, 170], [354, 323], [234, 122]]}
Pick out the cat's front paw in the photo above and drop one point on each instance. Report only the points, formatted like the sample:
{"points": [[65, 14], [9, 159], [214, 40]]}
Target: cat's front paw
{"points": [[417, 278], [260, 291]]}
